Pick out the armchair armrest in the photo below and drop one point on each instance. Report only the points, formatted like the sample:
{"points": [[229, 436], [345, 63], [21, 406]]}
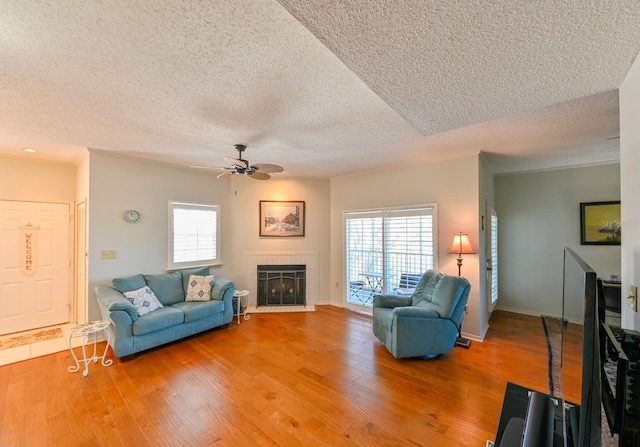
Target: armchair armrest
{"points": [[415, 312], [391, 301]]}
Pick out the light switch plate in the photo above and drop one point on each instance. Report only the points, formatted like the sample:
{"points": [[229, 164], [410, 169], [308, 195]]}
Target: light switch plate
{"points": [[108, 254]]}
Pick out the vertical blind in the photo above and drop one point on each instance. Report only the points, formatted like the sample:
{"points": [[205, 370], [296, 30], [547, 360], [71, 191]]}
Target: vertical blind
{"points": [[384, 244]]}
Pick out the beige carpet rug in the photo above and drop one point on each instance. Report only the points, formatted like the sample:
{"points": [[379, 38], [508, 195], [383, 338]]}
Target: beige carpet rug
{"points": [[25, 339]]}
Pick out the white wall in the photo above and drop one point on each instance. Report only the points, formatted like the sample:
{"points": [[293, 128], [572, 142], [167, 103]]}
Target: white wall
{"points": [[119, 183], [630, 181], [32, 181], [452, 184], [538, 215], [82, 177], [245, 196], [486, 196]]}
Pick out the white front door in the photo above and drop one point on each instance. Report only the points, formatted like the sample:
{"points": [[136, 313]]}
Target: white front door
{"points": [[34, 265]]}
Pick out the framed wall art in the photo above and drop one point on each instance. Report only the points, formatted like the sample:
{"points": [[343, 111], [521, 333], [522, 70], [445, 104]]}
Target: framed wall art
{"points": [[600, 223], [281, 218]]}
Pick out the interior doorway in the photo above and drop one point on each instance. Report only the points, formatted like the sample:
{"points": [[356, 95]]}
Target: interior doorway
{"points": [[35, 265]]}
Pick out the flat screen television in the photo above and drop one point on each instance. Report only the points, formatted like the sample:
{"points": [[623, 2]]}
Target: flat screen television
{"points": [[579, 285], [610, 367], [583, 423]]}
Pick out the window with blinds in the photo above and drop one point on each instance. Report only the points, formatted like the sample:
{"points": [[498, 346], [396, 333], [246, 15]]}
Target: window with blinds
{"points": [[493, 247], [384, 246], [194, 232]]}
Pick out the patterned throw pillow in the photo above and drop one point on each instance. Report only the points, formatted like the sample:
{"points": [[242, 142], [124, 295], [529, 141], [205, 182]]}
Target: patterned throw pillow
{"points": [[199, 288], [144, 300]]}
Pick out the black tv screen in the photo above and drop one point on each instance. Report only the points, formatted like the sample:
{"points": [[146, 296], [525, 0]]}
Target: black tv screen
{"points": [[579, 285]]}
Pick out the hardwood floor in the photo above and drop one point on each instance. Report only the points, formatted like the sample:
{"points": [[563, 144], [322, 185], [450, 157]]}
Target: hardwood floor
{"points": [[290, 379]]}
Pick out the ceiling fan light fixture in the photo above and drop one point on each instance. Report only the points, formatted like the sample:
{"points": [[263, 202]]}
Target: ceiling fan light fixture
{"points": [[238, 166], [242, 166]]}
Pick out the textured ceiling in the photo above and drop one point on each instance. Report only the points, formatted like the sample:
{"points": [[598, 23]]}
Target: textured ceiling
{"points": [[322, 88]]}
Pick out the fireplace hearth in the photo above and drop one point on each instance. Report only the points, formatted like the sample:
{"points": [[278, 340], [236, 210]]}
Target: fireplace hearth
{"points": [[281, 285]]}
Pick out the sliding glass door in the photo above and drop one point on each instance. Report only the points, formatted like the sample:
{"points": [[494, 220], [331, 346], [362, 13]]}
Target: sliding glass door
{"points": [[384, 247]]}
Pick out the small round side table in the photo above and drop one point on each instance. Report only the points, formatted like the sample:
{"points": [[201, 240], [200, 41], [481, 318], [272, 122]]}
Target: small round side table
{"points": [[239, 294], [85, 330]]}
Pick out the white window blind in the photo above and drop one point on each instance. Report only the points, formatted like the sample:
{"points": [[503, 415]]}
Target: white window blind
{"points": [[409, 243], [364, 255], [494, 257], [194, 233], [385, 245]]}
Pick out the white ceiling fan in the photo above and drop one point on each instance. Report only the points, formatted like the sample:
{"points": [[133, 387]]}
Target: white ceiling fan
{"points": [[259, 171]]}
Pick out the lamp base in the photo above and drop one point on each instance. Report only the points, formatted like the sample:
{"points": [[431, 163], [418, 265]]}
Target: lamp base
{"points": [[463, 342]]}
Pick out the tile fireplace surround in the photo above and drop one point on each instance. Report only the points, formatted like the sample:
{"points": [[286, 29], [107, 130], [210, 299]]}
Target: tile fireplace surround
{"points": [[255, 258]]}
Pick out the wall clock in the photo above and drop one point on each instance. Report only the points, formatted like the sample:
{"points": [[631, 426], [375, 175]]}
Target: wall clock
{"points": [[131, 216]]}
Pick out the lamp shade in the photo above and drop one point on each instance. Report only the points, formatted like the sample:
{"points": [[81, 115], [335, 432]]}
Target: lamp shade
{"points": [[461, 244]]}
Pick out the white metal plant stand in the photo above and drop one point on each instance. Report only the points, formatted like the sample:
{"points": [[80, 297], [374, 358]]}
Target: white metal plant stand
{"points": [[85, 330], [239, 294]]}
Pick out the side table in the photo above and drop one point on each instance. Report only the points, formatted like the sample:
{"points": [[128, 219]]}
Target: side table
{"points": [[85, 330], [239, 295]]}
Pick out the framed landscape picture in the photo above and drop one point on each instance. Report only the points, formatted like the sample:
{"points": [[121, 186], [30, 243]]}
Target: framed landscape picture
{"points": [[600, 223], [281, 218]]}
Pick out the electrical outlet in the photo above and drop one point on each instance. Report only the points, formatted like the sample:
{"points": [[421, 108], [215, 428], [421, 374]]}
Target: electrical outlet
{"points": [[108, 254], [632, 297]]}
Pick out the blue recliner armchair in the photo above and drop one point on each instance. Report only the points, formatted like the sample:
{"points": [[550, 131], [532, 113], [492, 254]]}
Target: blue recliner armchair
{"points": [[425, 324]]}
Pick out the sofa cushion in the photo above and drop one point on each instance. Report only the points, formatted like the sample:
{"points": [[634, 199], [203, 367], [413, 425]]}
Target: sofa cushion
{"points": [[197, 310], [435, 309], [143, 299], [199, 288], [440, 293], [158, 320], [426, 287], [129, 283], [186, 273], [167, 287]]}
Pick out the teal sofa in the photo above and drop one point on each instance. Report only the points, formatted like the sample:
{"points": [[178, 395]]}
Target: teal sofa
{"points": [[426, 323], [130, 332]]}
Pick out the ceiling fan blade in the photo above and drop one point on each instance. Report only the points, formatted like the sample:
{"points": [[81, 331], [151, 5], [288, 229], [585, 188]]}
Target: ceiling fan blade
{"points": [[266, 167], [211, 168], [226, 174], [236, 162], [259, 175]]}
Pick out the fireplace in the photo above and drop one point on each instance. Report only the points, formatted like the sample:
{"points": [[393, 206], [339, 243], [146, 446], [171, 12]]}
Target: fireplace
{"points": [[281, 285]]}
